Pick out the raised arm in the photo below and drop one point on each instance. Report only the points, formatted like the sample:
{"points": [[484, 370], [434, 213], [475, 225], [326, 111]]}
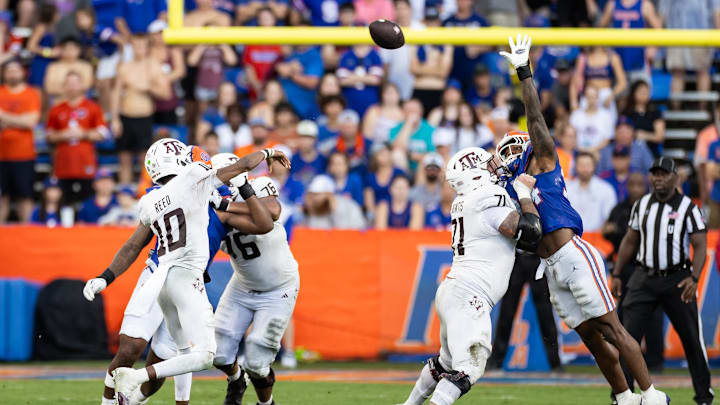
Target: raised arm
{"points": [[542, 143], [270, 202], [249, 162], [121, 262]]}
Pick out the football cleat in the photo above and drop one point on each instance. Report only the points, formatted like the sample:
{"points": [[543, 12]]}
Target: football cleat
{"points": [[126, 382], [235, 391]]}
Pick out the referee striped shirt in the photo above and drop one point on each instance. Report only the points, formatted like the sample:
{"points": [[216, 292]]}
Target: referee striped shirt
{"points": [[664, 229]]}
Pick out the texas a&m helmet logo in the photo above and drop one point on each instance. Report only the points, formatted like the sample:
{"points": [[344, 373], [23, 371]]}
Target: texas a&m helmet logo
{"points": [[470, 161]]}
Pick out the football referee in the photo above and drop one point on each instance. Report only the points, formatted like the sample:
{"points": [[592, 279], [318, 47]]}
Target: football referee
{"points": [[662, 226]]}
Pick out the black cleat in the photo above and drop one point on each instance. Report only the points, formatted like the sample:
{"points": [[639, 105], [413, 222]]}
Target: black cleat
{"points": [[235, 391]]}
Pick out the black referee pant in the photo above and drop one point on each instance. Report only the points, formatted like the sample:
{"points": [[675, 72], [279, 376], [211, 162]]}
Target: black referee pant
{"points": [[645, 294], [524, 272]]}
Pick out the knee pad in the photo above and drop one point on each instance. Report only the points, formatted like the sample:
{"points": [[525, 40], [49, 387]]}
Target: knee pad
{"points": [[263, 382], [258, 359], [436, 369], [458, 379]]}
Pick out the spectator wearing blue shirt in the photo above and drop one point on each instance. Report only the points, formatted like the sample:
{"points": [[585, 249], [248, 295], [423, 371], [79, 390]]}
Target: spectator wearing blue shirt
{"points": [[411, 139], [138, 14], [360, 72], [481, 94], [346, 183], [291, 193], [300, 73], [322, 13], [229, 7], [438, 217], [465, 58], [380, 174], [641, 157], [307, 163], [328, 124], [107, 12], [104, 199], [247, 11], [48, 211], [619, 174], [400, 211], [713, 170], [351, 141]]}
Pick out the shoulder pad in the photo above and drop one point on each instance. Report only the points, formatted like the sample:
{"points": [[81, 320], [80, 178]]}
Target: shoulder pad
{"points": [[492, 196]]}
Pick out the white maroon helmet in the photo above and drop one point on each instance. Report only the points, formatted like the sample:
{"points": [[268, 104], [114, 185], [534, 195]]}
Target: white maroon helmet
{"points": [[264, 187], [221, 160], [166, 157], [467, 170]]}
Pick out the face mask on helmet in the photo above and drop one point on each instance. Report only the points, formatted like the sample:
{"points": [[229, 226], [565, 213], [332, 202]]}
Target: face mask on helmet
{"points": [[510, 150]]}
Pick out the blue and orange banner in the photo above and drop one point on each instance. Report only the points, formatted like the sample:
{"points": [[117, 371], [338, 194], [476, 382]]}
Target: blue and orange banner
{"points": [[362, 294]]}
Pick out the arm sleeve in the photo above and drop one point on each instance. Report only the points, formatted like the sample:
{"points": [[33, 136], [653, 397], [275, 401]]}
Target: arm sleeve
{"points": [[694, 221]]}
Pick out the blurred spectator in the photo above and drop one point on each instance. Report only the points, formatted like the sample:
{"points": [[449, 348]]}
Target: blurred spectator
{"points": [[438, 217], [102, 202], [574, 13], [20, 107], [322, 13], [73, 127], [233, 133], [378, 177], [640, 156], [600, 68], [481, 93], [467, 132], [331, 53], [560, 90], [591, 196], [399, 212], [259, 60], [248, 11], [708, 135], [428, 187], [591, 123], [211, 144], [47, 212], [328, 123], [499, 123], [713, 170], [380, 118], [690, 14], [371, 10], [430, 64], [503, 13], [273, 94], [329, 86], [466, 57], [618, 176], [137, 15], [327, 210], [647, 120], [69, 61], [411, 139], [139, 82], [397, 61], [567, 148], [125, 213], [351, 141], [260, 133], [215, 114], [632, 14], [306, 162], [617, 223], [299, 74], [346, 183], [448, 112], [42, 43], [210, 62], [285, 124], [205, 14], [172, 63], [360, 72], [106, 12]]}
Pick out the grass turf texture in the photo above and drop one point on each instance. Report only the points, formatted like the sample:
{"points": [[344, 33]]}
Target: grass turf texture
{"points": [[211, 392]]}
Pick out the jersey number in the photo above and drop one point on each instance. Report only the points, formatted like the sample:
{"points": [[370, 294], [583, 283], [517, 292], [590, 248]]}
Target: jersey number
{"points": [[172, 244], [458, 249], [248, 250], [501, 200]]}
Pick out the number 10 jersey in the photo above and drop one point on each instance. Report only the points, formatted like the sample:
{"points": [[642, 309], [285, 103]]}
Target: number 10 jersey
{"points": [[482, 257], [177, 213]]}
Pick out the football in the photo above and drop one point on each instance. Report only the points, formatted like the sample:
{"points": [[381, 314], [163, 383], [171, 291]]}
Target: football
{"points": [[387, 34]]}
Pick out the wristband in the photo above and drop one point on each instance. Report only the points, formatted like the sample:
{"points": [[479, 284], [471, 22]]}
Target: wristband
{"points": [[695, 278], [246, 191], [269, 152], [108, 276], [524, 72], [224, 204]]}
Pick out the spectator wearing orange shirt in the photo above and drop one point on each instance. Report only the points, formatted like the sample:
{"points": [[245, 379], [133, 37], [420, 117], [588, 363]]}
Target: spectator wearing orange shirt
{"points": [[73, 127], [20, 107], [567, 148]]}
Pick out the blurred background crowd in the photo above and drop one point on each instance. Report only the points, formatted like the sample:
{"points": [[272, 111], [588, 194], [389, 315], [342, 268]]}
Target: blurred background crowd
{"points": [[88, 85]]}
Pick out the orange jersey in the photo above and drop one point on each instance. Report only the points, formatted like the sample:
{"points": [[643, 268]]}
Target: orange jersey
{"points": [[17, 143]]}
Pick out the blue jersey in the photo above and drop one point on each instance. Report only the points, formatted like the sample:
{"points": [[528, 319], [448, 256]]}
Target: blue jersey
{"points": [[630, 17], [549, 196]]}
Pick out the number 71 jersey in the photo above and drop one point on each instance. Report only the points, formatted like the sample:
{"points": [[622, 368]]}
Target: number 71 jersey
{"points": [[482, 256], [177, 213]]}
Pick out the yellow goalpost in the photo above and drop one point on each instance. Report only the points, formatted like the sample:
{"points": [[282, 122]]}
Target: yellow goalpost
{"points": [[177, 33]]}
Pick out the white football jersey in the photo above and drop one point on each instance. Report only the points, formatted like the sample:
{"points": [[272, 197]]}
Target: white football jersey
{"points": [[262, 262], [178, 215], [482, 256]]}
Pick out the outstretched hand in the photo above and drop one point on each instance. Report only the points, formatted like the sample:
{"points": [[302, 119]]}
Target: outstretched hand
{"points": [[278, 156], [519, 54]]}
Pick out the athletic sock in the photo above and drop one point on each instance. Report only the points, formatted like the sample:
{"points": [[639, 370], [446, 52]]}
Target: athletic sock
{"points": [[268, 402], [623, 396], [109, 381], [183, 384], [424, 387], [445, 393], [235, 376], [106, 401]]}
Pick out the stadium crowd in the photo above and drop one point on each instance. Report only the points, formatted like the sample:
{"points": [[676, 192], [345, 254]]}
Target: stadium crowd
{"points": [[88, 85]]}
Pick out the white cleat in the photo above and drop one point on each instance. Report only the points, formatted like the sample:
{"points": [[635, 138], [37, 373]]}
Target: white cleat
{"points": [[656, 398], [126, 382]]}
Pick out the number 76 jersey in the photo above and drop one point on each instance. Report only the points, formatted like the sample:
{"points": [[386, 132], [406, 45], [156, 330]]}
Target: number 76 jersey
{"points": [[482, 257]]}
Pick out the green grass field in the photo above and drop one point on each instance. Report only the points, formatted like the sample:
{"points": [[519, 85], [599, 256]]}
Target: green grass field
{"points": [[211, 392]]}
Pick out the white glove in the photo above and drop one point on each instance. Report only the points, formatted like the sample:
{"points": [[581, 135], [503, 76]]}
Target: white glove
{"points": [[92, 287], [519, 52], [523, 186], [215, 199]]}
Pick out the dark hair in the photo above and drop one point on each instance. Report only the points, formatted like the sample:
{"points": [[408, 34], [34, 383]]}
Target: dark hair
{"points": [[333, 98], [372, 163], [47, 13], [263, 9], [284, 106], [630, 101], [475, 119], [345, 159], [402, 1], [517, 110], [585, 154], [42, 211], [348, 6], [386, 86], [236, 108], [402, 176], [211, 134]]}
